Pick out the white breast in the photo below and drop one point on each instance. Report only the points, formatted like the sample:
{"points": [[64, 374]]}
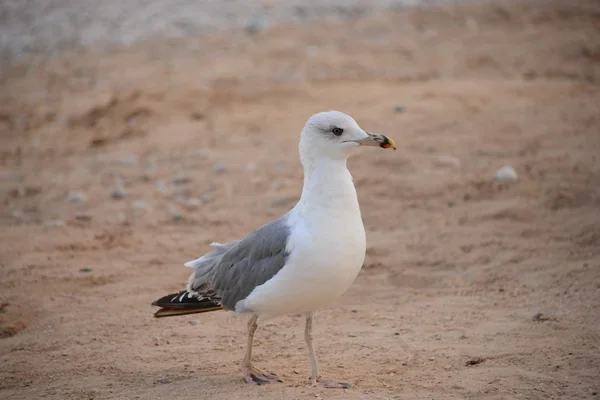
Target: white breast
{"points": [[327, 250]]}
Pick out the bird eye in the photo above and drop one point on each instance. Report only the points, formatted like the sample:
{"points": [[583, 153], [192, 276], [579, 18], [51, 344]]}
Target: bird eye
{"points": [[337, 131]]}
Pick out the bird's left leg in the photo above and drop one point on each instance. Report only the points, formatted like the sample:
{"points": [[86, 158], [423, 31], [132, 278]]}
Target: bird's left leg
{"points": [[315, 379], [252, 374]]}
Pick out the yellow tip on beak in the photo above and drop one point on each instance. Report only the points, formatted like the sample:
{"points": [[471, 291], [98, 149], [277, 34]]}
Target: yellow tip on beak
{"points": [[388, 142], [376, 140]]}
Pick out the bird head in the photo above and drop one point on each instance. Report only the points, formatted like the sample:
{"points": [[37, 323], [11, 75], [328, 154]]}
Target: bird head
{"points": [[334, 134]]}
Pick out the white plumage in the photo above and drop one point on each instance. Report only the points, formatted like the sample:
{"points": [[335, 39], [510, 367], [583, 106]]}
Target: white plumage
{"points": [[302, 261]]}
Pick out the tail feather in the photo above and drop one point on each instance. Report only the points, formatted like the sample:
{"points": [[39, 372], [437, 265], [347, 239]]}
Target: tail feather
{"points": [[183, 303]]}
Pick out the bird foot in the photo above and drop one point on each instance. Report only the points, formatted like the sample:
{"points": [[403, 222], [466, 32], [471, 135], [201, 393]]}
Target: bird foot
{"points": [[258, 377], [329, 384]]}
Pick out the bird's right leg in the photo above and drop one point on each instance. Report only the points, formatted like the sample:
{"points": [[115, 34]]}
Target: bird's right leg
{"points": [[315, 379], [251, 374]]}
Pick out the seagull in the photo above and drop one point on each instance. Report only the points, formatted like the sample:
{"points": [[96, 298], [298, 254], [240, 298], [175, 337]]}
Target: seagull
{"points": [[295, 264]]}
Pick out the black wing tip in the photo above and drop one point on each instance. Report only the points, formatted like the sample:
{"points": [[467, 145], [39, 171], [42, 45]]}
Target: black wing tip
{"points": [[165, 301], [185, 300], [173, 312]]}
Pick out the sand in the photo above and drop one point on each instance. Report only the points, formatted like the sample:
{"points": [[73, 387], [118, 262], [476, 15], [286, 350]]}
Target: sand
{"points": [[118, 166]]}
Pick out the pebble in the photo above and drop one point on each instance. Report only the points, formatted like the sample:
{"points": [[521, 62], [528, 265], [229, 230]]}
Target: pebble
{"points": [[161, 186], [447, 161], [312, 51], [506, 174], [197, 116], [85, 269], [130, 160], [181, 179], [206, 198], [76, 197], [16, 214], [193, 203], [193, 323], [118, 193], [202, 153], [220, 167], [54, 223], [164, 380], [174, 213], [140, 205], [539, 317], [83, 217], [399, 108], [257, 23]]}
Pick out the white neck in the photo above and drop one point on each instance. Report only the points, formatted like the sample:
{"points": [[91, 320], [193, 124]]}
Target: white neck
{"points": [[328, 187]]}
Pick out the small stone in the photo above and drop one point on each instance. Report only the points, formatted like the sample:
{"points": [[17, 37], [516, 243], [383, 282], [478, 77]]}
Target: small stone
{"points": [[140, 205], [83, 217], [118, 193], [501, 290], [404, 363], [76, 197], [202, 153], [130, 160], [354, 310], [312, 51], [539, 317], [257, 23], [161, 186], [18, 214], [396, 333], [447, 161], [85, 269], [54, 223], [174, 213], [431, 358], [220, 167], [193, 323], [251, 166], [193, 203], [164, 380], [197, 116], [506, 174], [474, 361], [399, 108], [181, 179], [206, 198]]}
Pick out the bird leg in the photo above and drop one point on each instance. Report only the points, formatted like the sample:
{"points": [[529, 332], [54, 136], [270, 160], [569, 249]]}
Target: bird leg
{"points": [[315, 379], [251, 374]]}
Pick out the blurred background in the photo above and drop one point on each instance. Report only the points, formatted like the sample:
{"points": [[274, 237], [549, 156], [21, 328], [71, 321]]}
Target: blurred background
{"points": [[134, 133]]}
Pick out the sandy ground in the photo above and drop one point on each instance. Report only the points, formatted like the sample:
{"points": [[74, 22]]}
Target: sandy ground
{"points": [[116, 167]]}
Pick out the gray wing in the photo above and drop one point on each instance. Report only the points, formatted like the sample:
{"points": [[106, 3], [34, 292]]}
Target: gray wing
{"points": [[231, 271]]}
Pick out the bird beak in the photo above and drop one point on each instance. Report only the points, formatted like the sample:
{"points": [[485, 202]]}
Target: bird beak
{"points": [[374, 139]]}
